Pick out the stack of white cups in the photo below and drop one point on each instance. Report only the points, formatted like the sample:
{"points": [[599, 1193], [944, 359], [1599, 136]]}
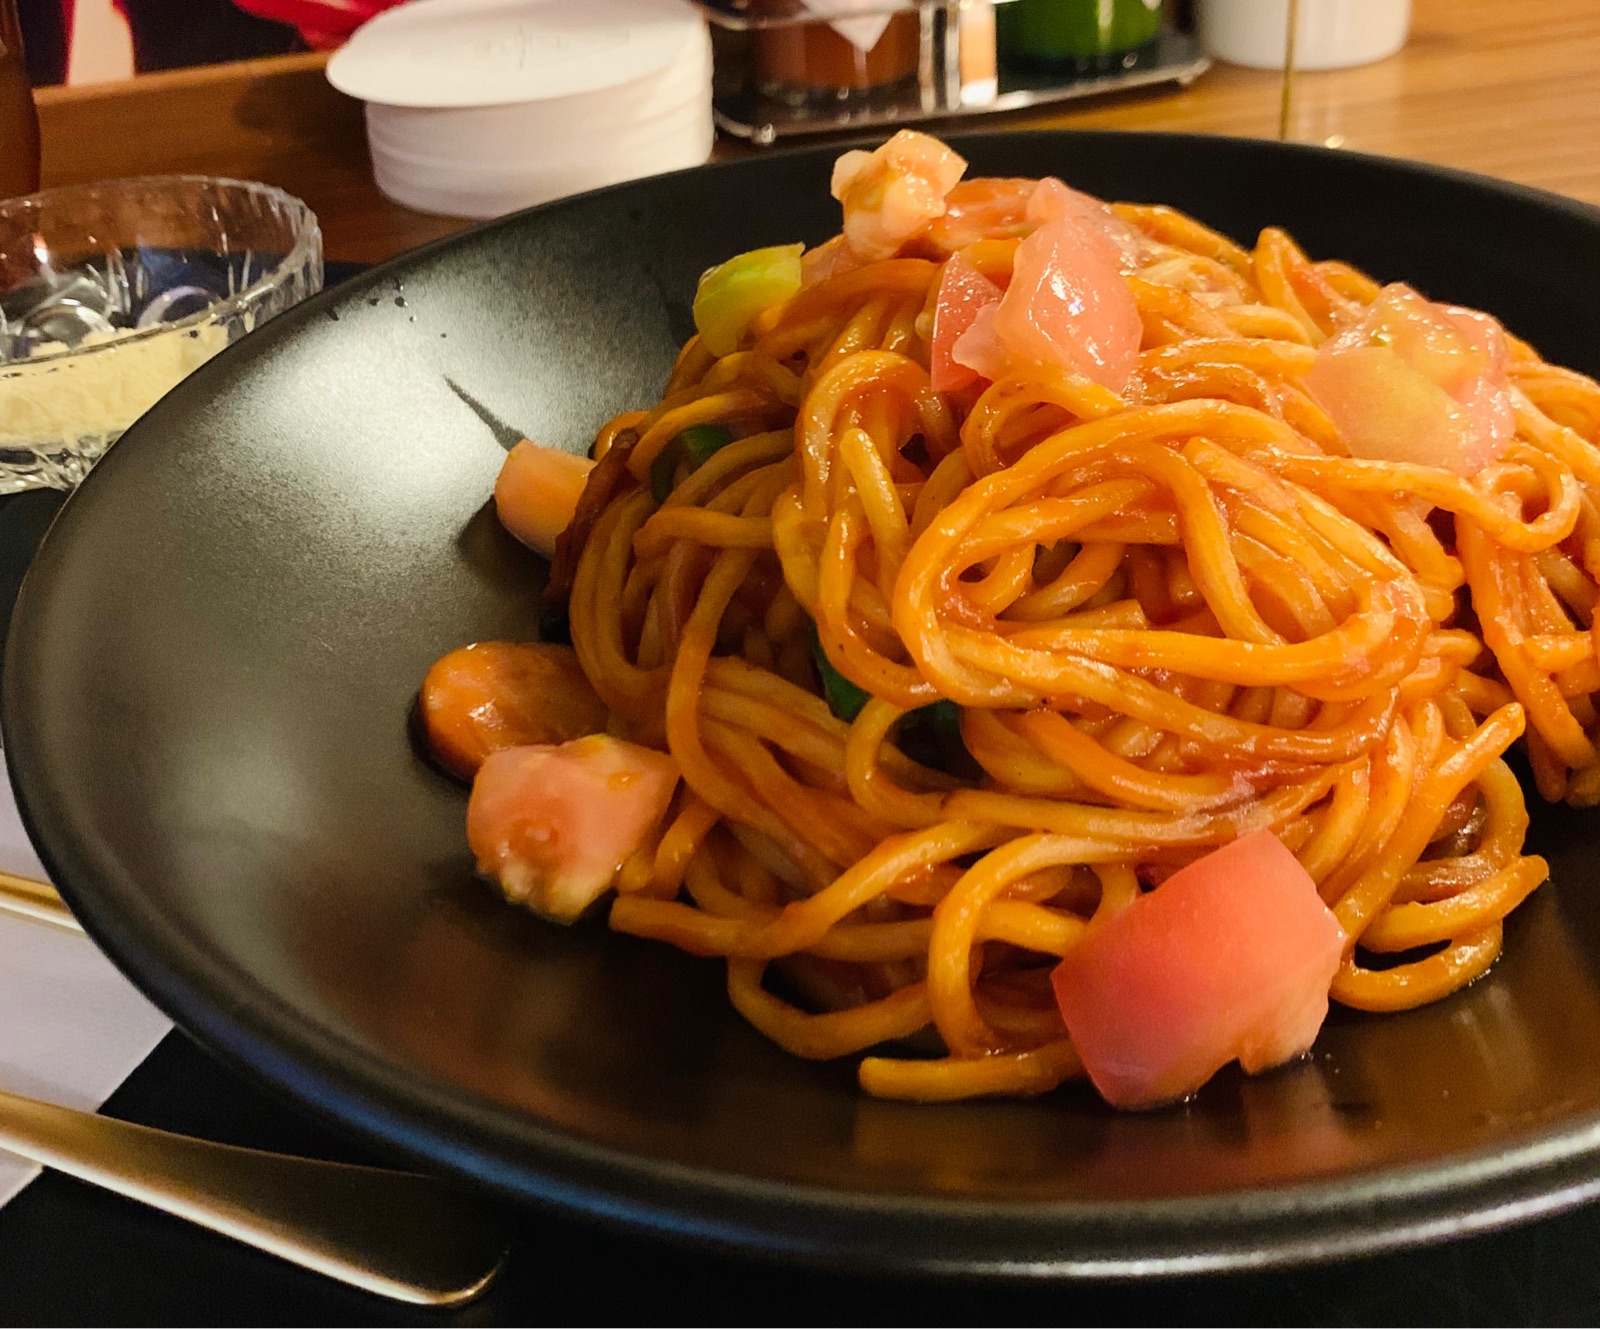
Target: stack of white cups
{"points": [[476, 108]]}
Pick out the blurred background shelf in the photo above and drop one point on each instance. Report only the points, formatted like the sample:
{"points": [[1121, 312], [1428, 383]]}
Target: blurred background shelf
{"points": [[1484, 85]]}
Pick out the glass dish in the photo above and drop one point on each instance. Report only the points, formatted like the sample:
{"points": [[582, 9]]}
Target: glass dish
{"points": [[112, 292]]}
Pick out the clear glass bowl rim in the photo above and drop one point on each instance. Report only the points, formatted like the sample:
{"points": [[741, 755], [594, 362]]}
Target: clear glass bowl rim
{"points": [[307, 242]]}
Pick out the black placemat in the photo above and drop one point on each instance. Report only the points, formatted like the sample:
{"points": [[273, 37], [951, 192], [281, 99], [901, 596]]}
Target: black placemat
{"points": [[70, 1254]]}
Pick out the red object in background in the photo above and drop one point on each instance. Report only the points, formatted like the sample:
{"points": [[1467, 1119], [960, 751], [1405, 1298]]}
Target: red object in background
{"points": [[19, 127], [323, 23]]}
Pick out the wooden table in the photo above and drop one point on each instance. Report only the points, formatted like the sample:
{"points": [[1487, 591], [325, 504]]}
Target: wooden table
{"points": [[1506, 87]]}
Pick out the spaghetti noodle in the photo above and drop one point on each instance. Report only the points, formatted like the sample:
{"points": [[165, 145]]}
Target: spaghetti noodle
{"points": [[1159, 616]]}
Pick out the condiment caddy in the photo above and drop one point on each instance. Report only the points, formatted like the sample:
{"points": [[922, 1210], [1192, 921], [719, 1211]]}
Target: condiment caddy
{"points": [[789, 68]]}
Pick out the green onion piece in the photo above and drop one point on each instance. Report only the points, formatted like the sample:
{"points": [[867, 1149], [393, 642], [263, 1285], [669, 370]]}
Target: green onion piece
{"points": [[944, 718], [931, 736], [700, 441], [663, 471], [695, 445], [845, 699]]}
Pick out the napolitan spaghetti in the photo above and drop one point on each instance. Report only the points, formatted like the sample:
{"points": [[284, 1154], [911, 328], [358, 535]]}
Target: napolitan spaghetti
{"points": [[984, 614]]}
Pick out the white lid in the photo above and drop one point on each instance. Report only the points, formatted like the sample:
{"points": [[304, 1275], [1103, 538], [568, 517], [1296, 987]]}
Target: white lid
{"points": [[452, 53]]}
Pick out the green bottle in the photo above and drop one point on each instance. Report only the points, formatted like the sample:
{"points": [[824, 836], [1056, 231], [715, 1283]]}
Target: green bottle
{"points": [[1086, 36]]}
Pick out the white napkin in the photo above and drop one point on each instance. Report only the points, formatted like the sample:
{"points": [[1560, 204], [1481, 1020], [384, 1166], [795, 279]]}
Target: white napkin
{"points": [[71, 1027]]}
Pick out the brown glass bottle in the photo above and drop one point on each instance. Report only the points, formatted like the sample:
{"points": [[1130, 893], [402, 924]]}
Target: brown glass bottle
{"points": [[19, 126]]}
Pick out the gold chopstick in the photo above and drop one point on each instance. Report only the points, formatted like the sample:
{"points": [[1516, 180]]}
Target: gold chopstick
{"points": [[37, 900]]}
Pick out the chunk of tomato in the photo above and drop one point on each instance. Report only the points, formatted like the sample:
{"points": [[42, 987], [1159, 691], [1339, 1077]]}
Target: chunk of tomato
{"points": [[1067, 306], [1229, 958], [1122, 245], [1418, 382], [963, 291]]}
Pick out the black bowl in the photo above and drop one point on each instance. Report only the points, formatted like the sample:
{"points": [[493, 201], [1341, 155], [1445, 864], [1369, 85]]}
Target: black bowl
{"points": [[205, 716]]}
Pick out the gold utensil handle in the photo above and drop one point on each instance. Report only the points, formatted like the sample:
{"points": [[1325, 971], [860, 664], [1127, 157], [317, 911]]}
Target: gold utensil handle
{"points": [[399, 1234], [36, 900]]}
